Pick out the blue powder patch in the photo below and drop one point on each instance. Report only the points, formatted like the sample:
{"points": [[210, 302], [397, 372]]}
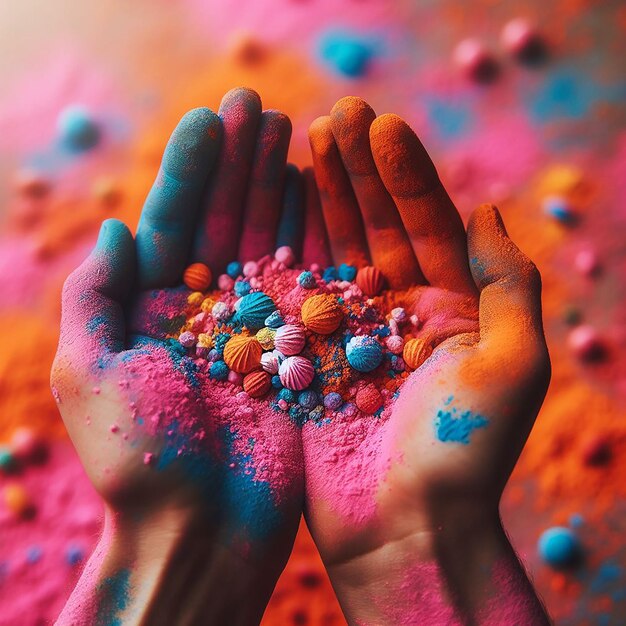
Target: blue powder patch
{"points": [[347, 53], [113, 596], [95, 322], [450, 427], [450, 119]]}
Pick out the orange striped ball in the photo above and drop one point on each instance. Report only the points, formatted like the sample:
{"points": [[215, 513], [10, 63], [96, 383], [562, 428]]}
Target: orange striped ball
{"points": [[197, 277], [256, 384], [415, 352]]}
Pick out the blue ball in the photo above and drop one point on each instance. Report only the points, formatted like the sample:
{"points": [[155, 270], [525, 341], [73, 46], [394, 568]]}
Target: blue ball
{"points": [[330, 273], [234, 269], [347, 54], [74, 555], [364, 353], [77, 129], [7, 460], [254, 309], [287, 395], [307, 399], [276, 382], [242, 288], [219, 371], [306, 280], [274, 320], [333, 400], [559, 547], [347, 272]]}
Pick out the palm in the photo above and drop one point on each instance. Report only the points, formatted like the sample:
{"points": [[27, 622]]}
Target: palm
{"points": [[153, 430], [462, 417]]}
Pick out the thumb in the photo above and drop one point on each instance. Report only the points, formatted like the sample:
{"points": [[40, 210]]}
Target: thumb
{"points": [[509, 284]]}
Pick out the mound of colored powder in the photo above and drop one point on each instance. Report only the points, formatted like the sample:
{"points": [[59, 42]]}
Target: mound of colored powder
{"points": [[273, 342]]}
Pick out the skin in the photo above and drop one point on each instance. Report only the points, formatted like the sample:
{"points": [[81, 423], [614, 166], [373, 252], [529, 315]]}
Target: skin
{"points": [[186, 539], [434, 501]]}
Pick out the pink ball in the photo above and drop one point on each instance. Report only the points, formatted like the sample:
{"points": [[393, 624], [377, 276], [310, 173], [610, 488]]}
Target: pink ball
{"points": [[269, 362], [234, 378], [250, 269], [225, 282], [27, 445], [296, 373], [475, 60], [395, 344], [290, 339], [285, 255], [585, 342], [586, 262]]}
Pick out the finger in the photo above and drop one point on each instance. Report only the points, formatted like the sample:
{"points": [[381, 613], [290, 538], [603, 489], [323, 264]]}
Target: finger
{"points": [[219, 227], [509, 284], [265, 190], [291, 224], [344, 224], [315, 248], [432, 222], [388, 242], [169, 214], [92, 320]]}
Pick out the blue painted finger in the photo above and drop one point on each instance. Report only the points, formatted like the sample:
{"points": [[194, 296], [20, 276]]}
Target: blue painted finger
{"points": [[291, 224]]}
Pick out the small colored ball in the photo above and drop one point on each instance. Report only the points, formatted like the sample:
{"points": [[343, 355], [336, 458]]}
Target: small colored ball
{"points": [[225, 282], [585, 343], [74, 555], [306, 280], [187, 339], [266, 337], [276, 382], [398, 315], [476, 61], [219, 371], [27, 446], [369, 399], [347, 54], [77, 129], [256, 384], [346, 272], [242, 288], [270, 362], [287, 395], [235, 378], [586, 262], [559, 547], [17, 500], [242, 353], [290, 339], [523, 41], [307, 399], [8, 461], [322, 314], [220, 311], [415, 352], [250, 269], [364, 353], [234, 269], [333, 400], [285, 255], [330, 273], [296, 372], [274, 320], [197, 277], [395, 344], [370, 280], [254, 309], [559, 208]]}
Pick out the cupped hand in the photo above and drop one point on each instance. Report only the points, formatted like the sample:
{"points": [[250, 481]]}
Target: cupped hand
{"points": [[160, 439], [461, 419]]}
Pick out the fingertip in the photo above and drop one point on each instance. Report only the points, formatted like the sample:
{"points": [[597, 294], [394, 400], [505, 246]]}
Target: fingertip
{"points": [[486, 217], [276, 122], [321, 135], [113, 233], [351, 107], [244, 97]]}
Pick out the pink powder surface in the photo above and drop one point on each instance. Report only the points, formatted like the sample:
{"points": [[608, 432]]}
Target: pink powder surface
{"points": [[68, 515]]}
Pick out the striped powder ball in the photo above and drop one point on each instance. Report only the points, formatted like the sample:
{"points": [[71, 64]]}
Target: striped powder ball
{"points": [[254, 309], [256, 384], [415, 352], [296, 373], [370, 280], [242, 354], [369, 399], [395, 344], [197, 277], [364, 353], [270, 362], [322, 314], [266, 337], [290, 339]]}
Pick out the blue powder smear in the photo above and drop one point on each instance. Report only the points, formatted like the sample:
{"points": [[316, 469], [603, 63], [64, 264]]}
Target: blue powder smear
{"points": [[347, 53], [449, 427], [113, 593]]}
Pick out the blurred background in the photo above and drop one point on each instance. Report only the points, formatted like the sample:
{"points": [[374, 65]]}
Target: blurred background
{"points": [[523, 106]]}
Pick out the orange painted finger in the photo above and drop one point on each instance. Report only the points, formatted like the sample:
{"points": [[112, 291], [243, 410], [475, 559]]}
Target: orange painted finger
{"points": [[389, 244], [344, 224], [431, 220]]}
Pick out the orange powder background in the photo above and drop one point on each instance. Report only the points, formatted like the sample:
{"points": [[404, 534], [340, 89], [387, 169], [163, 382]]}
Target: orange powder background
{"points": [[552, 130]]}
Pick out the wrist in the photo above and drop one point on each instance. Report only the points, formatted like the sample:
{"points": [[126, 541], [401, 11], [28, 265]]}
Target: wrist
{"points": [[458, 570], [166, 569]]}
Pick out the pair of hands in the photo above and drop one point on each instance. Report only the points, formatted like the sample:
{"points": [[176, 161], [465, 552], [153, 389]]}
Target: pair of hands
{"points": [[201, 531]]}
